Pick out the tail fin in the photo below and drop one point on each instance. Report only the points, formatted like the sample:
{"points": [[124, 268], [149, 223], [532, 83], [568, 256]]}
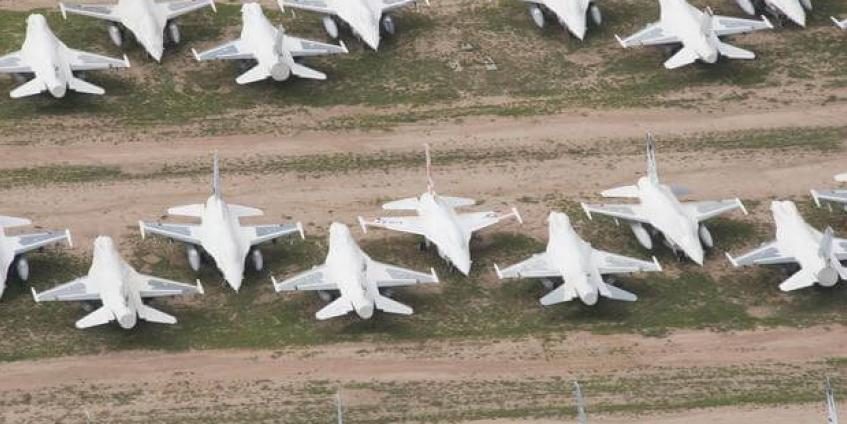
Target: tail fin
{"points": [[391, 306], [430, 185], [581, 418], [339, 413], [652, 171], [825, 249], [831, 412], [154, 315], [216, 177], [86, 87]]}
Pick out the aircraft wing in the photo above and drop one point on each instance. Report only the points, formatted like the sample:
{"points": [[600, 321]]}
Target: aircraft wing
{"points": [[651, 35], [13, 63], [151, 286], [632, 213], [478, 220], [318, 6], [186, 233], [174, 9], [702, 211], [389, 5], [85, 61], [313, 279], [234, 50], [725, 25], [76, 290], [386, 275], [766, 254], [29, 242], [404, 224], [262, 233], [299, 47], [836, 196], [536, 266], [99, 11], [611, 263]]}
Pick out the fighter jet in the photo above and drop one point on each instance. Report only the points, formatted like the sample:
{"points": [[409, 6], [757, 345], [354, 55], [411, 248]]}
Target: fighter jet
{"points": [[581, 266], [696, 32], [818, 255], [660, 211], [793, 10], [839, 24], [834, 196], [571, 14], [359, 279], [831, 410], [438, 222], [270, 48], [119, 287], [13, 249], [366, 18], [52, 64], [148, 20], [221, 234]]}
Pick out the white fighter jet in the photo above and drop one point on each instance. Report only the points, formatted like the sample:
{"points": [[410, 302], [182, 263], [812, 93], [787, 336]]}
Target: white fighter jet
{"points": [[831, 409], [52, 64], [793, 10], [221, 234], [358, 279], [697, 32], [119, 287], [270, 48], [839, 24], [660, 211], [438, 222], [818, 255], [13, 249], [148, 20], [571, 14], [578, 264], [366, 18]]}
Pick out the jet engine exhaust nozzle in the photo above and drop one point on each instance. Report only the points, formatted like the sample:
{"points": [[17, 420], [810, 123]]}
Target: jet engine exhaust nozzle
{"points": [[827, 277]]}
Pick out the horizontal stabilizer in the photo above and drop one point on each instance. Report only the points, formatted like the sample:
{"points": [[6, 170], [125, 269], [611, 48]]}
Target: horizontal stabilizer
{"points": [[615, 293], [257, 73], [154, 315], [629, 191], [101, 316], [193, 211], [683, 57], [563, 293], [799, 280], [86, 87], [409, 204], [337, 308], [31, 88], [307, 72], [392, 306], [11, 221], [239, 211], [733, 52]]}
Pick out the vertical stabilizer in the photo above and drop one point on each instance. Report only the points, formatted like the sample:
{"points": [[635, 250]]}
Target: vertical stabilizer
{"points": [[826, 243], [831, 412], [581, 418], [339, 408], [216, 177], [652, 172], [430, 185]]}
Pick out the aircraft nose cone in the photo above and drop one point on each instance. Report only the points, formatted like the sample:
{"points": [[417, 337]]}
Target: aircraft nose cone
{"points": [[578, 31], [799, 17], [365, 311], [234, 280]]}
